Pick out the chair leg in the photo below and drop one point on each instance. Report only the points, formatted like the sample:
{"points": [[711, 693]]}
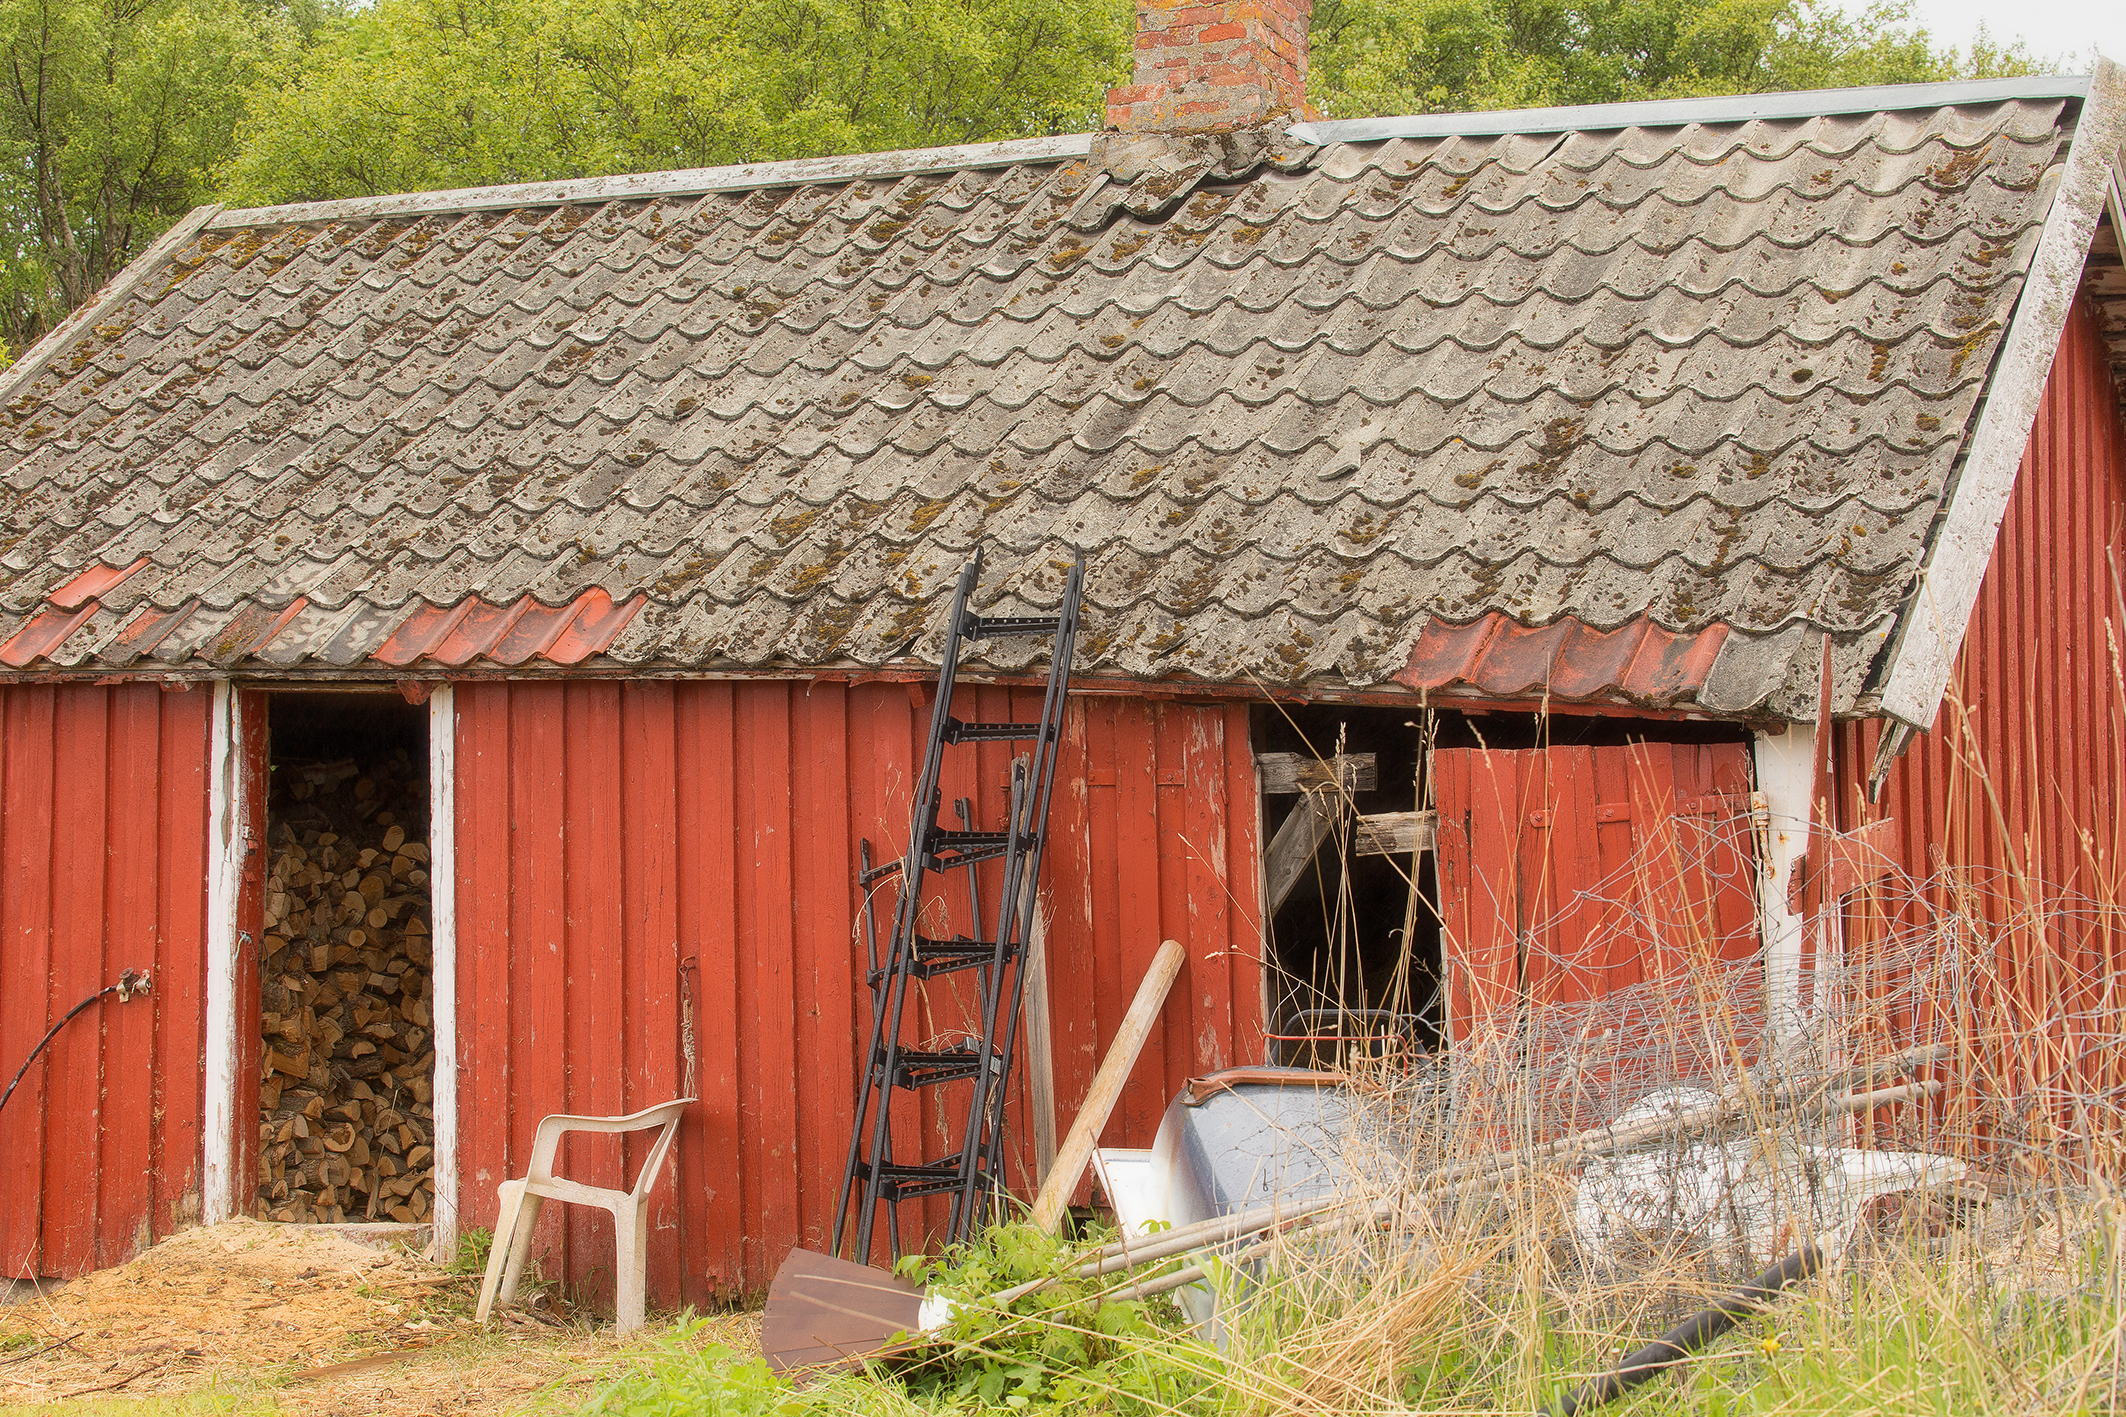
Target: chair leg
{"points": [[630, 1264], [511, 1195], [520, 1246]]}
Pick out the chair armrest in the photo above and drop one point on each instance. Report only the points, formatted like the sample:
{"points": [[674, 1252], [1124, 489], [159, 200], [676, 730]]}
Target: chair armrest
{"points": [[634, 1122], [547, 1140]]}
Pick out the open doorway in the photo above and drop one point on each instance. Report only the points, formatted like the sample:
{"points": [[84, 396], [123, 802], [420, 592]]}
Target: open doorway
{"points": [[346, 990], [1354, 924]]}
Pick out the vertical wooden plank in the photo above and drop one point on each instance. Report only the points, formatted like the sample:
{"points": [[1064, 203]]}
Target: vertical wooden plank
{"points": [[1247, 942], [128, 1057], [1072, 885], [1559, 891], [649, 963], [538, 766], [826, 954], [1165, 1065], [80, 846], [178, 998], [1677, 937], [1207, 892], [1724, 776], [28, 767], [486, 1041], [766, 997], [595, 1021], [1139, 926], [709, 935], [1614, 872], [1481, 826], [883, 767]]}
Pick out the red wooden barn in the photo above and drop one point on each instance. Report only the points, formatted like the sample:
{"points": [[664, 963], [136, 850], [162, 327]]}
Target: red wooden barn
{"points": [[610, 523]]}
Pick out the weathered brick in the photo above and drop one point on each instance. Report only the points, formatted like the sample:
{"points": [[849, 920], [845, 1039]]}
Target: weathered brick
{"points": [[1208, 66]]}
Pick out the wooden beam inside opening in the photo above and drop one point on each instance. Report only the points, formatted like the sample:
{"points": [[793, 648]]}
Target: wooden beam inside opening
{"points": [[1286, 773], [1292, 850], [1395, 833]]}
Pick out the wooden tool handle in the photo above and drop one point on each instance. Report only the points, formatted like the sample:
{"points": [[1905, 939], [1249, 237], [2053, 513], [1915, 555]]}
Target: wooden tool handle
{"points": [[1077, 1148]]}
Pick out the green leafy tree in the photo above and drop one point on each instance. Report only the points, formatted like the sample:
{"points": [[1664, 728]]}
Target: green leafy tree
{"points": [[1373, 57], [114, 115], [411, 94]]}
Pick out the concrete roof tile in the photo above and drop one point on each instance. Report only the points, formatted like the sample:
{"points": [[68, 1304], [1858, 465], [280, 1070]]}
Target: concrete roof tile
{"points": [[1686, 378]]}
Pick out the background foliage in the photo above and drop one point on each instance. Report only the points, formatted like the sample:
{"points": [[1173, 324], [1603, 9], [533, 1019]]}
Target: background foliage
{"points": [[117, 116], [413, 94], [1433, 56]]}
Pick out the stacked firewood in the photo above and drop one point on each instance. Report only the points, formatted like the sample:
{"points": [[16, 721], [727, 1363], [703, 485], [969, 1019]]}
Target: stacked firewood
{"points": [[347, 1126]]}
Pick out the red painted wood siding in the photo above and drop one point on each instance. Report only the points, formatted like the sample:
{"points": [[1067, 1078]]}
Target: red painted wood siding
{"points": [[2036, 698], [103, 833], [622, 845], [1569, 875], [2011, 805]]}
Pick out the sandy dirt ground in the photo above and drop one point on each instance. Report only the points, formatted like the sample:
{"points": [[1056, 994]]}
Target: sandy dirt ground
{"points": [[308, 1322]]}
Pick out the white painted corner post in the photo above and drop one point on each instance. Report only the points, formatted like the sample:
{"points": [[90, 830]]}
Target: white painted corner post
{"points": [[225, 874], [1786, 775], [443, 965]]}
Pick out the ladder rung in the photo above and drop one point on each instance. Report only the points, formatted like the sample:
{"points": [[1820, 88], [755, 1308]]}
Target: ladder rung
{"points": [[932, 969], [930, 1178], [916, 1068], [982, 627], [935, 957], [958, 732], [942, 840], [967, 848]]}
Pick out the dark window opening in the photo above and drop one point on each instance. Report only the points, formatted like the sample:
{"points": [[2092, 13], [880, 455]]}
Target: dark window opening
{"points": [[347, 1057]]}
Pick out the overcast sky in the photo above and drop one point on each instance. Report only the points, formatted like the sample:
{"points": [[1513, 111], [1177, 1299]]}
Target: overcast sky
{"points": [[2054, 29]]}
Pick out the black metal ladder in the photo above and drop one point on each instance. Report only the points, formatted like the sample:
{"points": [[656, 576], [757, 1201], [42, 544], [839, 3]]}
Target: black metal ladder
{"points": [[873, 1178]]}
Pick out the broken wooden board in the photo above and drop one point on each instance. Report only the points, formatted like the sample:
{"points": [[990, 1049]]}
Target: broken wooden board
{"points": [[1292, 850], [1395, 833], [1286, 773]]}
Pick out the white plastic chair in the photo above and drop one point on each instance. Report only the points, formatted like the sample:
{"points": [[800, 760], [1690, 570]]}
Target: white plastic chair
{"points": [[522, 1201]]}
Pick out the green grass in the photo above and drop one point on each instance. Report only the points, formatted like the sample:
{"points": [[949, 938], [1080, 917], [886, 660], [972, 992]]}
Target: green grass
{"points": [[1911, 1329]]}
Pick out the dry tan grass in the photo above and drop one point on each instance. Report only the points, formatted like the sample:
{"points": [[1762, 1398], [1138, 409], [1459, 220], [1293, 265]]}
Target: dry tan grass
{"points": [[255, 1310]]}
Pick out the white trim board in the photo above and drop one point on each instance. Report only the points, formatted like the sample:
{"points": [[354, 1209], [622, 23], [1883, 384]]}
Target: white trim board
{"points": [[225, 874], [1931, 633], [443, 963], [1786, 775]]}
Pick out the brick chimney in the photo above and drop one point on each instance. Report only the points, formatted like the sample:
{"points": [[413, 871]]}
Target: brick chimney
{"points": [[1214, 66]]}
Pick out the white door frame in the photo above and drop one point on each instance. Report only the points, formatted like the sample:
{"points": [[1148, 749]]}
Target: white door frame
{"points": [[443, 964], [226, 814]]}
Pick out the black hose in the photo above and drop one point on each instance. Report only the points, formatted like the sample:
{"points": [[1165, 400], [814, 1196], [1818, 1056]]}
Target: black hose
{"points": [[129, 983], [1693, 1333]]}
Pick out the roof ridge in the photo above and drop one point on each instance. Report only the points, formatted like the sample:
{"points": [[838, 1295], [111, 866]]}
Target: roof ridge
{"points": [[1677, 112], [1814, 103], [691, 181]]}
